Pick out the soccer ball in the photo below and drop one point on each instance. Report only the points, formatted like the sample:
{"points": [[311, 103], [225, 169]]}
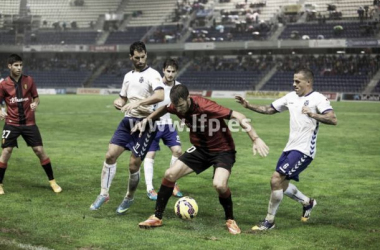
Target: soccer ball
{"points": [[186, 208]]}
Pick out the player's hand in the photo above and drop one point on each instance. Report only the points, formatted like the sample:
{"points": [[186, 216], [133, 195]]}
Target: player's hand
{"points": [[307, 111], [242, 101], [260, 146], [130, 106], [118, 103], [3, 115], [140, 127], [33, 106]]}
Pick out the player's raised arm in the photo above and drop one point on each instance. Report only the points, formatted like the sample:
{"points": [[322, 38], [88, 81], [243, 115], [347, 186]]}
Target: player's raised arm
{"points": [[262, 109], [258, 144]]}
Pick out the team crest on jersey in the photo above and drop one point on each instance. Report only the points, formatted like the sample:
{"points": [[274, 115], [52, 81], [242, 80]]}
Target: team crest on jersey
{"points": [[141, 79], [306, 103], [25, 86]]}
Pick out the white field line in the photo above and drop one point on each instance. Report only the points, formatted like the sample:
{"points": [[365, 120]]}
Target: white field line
{"points": [[14, 243]]}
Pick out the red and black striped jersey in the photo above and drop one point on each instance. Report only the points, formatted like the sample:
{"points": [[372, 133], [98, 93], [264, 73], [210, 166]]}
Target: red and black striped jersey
{"points": [[208, 130], [18, 96]]}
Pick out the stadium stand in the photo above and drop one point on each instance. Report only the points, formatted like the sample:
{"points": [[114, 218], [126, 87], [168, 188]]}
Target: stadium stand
{"points": [[225, 73], [150, 12], [62, 37], [61, 11], [332, 73], [128, 36], [350, 30]]}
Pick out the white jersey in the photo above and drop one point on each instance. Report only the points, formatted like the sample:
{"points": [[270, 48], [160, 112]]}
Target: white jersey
{"points": [[138, 86], [303, 129], [165, 119]]}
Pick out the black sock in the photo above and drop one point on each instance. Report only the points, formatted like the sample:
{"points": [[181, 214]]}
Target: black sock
{"points": [[163, 197], [2, 173], [227, 206], [48, 171]]}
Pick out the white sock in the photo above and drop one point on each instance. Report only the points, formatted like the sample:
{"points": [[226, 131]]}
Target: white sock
{"points": [[108, 173], [296, 195], [148, 172], [275, 200], [132, 184]]}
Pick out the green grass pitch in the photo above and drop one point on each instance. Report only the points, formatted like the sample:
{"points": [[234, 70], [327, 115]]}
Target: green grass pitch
{"points": [[344, 178]]}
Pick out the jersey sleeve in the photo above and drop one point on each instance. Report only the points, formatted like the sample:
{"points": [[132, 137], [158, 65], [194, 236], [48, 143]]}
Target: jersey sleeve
{"points": [[214, 110], [156, 81], [124, 87], [33, 90], [323, 104], [1, 90], [280, 104]]}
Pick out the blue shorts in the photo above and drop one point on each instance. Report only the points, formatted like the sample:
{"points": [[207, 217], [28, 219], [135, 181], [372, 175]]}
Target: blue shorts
{"points": [[132, 142], [292, 163], [169, 136]]}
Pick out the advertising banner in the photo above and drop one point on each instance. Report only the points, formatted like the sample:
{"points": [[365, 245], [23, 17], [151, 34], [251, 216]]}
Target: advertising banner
{"points": [[103, 48], [46, 91], [331, 43], [197, 92], [368, 42], [199, 46], [227, 94], [88, 91], [332, 96], [360, 97], [265, 94]]}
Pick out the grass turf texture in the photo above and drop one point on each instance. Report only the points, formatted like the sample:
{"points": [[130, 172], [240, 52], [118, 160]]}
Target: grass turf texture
{"points": [[76, 130]]}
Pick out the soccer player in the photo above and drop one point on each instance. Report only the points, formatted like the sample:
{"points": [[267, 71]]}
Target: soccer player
{"points": [[166, 132], [143, 87], [19, 92], [307, 109], [212, 146]]}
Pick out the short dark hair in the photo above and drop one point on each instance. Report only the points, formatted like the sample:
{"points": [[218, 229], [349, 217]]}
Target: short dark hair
{"points": [[170, 62], [14, 58], [306, 72], [139, 46], [178, 92]]}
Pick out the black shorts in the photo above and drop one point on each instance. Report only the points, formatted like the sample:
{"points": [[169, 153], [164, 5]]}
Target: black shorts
{"points": [[31, 135], [199, 159]]}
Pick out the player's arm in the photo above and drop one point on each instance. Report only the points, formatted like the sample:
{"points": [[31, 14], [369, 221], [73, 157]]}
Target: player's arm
{"points": [[120, 102], [35, 103], [3, 113], [158, 96], [328, 117], [258, 144], [141, 126], [262, 109]]}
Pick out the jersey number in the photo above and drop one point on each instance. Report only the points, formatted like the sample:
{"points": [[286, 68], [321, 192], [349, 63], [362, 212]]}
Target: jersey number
{"points": [[6, 133], [192, 149]]}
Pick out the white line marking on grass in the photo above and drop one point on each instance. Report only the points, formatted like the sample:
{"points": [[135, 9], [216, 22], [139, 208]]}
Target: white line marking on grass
{"points": [[21, 245]]}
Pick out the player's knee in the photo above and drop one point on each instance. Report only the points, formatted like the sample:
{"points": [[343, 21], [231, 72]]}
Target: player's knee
{"points": [[38, 151], [110, 158], [170, 176], [133, 168], [6, 153], [220, 187], [177, 152], [276, 181]]}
